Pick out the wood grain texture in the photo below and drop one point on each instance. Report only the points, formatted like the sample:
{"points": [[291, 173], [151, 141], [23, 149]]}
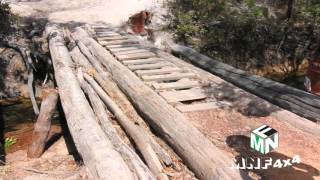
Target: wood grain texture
{"points": [[43, 124], [97, 152], [206, 160]]}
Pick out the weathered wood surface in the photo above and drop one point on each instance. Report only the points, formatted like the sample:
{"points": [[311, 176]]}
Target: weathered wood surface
{"points": [[159, 71], [297, 101], [150, 66], [142, 61], [82, 58], [124, 49], [97, 152], [132, 159], [205, 159], [181, 84], [168, 77], [134, 56], [183, 95], [118, 42], [135, 132], [43, 124], [111, 38], [131, 52]]}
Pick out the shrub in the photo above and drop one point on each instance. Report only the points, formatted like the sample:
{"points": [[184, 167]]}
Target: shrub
{"points": [[245, 34], [6, 18]]}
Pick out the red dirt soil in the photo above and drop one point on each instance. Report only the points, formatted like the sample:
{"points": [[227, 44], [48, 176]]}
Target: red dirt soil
{"points": [[230, 131]]}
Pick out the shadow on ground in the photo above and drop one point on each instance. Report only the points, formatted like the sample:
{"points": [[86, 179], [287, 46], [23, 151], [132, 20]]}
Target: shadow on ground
{"points": [[241, 101]]}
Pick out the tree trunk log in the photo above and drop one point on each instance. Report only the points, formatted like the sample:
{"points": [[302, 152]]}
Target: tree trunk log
{"points": [[135, 132], [297, 101], [43, 124], [96, 150], [127, 153], [205, 159]]}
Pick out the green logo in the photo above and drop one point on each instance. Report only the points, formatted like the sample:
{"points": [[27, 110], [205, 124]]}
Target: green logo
{"points": [[264, 139]]}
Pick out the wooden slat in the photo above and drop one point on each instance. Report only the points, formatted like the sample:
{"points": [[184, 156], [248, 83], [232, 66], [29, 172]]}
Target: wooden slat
{"points": [[182, 84], [101, 34], [142, 61], [149, 66], [183, 95], [197, 107], [118, 42], [136, 56], [112, 38], [168, 77], [132, 52], [159, 71], [123, 49], [122, 46], [100, 26]]}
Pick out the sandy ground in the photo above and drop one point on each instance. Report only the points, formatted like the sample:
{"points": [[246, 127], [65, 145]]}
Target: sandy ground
{"points": [[54, 164], [84, 11]]}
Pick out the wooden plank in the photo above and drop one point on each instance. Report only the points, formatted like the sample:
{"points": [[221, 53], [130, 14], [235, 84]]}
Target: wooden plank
{"points": [[183, 95], [197, 107], [182, 84], [149, 66], [168, 77], [114, 50], [136, 56], [100, 26], [118, 42], [123, 46], [132, 52], [202, 157], [159, 71], [142, 61], [297, 101], [112, 38], [107, 34]]}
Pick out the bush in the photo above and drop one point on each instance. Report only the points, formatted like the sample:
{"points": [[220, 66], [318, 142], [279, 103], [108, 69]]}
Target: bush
{"points": [[6, 18], [247, 34]]}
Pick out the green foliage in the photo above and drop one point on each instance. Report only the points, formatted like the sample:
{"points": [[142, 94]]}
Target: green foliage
{"points": [[8, 142], [6, 17], [244, 33]]}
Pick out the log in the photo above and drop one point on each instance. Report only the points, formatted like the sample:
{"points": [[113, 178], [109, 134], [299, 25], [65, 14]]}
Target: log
{"points": [[135, 132], [43, 124], [109, 86], [96, 150], [297, 101], [132, 159], [205, 159]]}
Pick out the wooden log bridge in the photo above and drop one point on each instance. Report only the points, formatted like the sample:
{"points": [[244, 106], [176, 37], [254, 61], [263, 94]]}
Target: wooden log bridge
{"points": [[125, 103], [102, 149]]}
